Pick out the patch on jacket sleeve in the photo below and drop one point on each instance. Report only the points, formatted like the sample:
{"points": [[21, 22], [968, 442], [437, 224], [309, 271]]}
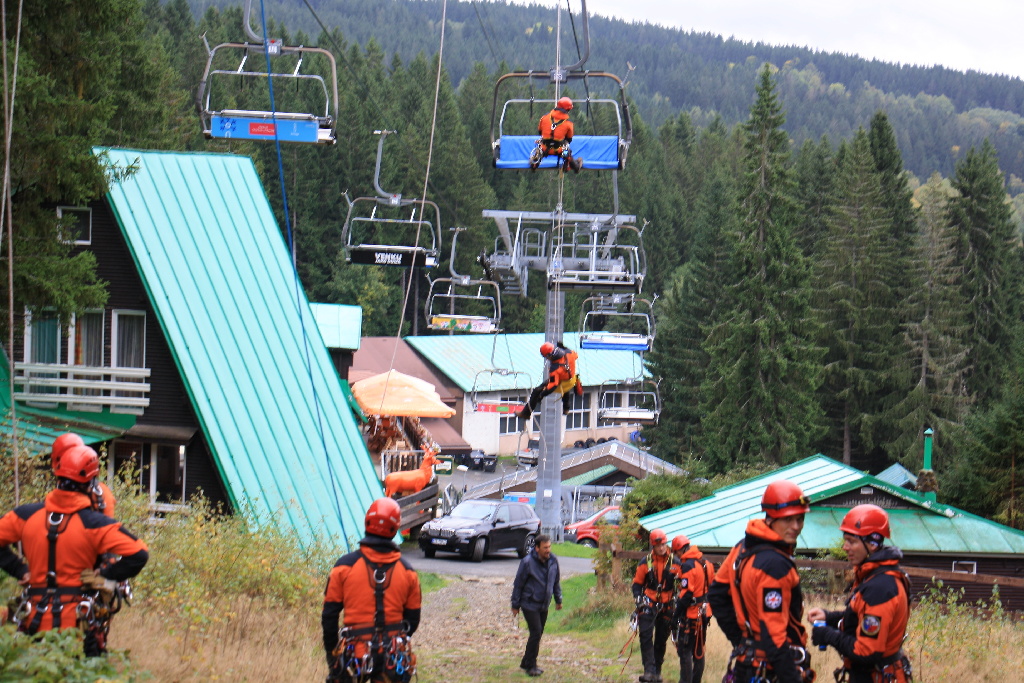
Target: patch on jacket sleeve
{"points": [[772, 600], [871, 625], [683, 583]]}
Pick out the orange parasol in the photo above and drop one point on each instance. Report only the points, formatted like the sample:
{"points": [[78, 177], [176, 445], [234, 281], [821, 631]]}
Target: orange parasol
{"points": [[394, 393]]}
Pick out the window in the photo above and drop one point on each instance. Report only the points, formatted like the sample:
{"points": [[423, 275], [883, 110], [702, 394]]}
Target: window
{"points": [[965, 567], [76, 224], [159, 468], [579, 412], [86, 349], [128, 350], [610, 400], [511, 423], [42, 345]]}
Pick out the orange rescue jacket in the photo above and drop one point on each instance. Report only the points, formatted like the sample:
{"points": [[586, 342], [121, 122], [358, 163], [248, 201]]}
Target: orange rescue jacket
{"points": [[83, 534], [563, 370], [694, 575], [555, 129], [655, 578], [351, 588]]}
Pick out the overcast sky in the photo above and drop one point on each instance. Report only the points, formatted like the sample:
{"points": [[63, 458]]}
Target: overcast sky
{"points": [[985, 35]]}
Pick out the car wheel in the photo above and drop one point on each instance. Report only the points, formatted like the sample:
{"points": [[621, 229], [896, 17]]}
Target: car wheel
{"points": [[478, 549], [526, 547], [429, 552], [589, 542]]}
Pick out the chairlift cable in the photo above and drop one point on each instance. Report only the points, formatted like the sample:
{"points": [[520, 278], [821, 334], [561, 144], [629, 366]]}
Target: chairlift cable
{"points": [[483, 29], [6, 211], [299, 294], [586, 88]]}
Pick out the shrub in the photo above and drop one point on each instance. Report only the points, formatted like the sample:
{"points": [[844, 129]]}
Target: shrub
{"points": [[56, 657]]}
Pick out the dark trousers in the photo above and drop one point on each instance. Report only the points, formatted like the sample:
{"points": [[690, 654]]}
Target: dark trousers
{"points": [[691, 667], [535, 620], [654, 631]]}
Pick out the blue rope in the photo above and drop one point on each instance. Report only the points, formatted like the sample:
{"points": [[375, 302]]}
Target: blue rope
{"points": [[298, 282]]}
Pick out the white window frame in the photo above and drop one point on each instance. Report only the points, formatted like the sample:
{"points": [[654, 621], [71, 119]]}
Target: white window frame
{"points": [[965, 566], [88, 226], [123, 313], [27, 350], [73, 335], [582, 412], [511, 420]]}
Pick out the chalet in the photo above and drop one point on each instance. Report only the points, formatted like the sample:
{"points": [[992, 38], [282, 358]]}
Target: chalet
{"points": [[208, 342], [932, 535]]}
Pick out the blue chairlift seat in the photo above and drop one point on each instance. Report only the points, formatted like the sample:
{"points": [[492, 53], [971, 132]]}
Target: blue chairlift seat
{"points": [[599, 152]]}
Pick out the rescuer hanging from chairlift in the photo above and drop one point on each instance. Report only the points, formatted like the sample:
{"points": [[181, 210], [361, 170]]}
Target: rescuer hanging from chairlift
{"points": [[556, 131], [562, 378]]}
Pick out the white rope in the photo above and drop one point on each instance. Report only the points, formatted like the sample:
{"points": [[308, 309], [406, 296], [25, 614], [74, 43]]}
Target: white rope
{"points": [[423, 197]]}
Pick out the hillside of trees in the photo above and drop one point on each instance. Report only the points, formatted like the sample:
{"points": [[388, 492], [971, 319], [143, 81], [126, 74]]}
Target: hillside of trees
{"points": [[938, 113], [815, 295]]}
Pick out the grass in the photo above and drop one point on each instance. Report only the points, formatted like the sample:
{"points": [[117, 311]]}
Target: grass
{"points": [[572, 550]]}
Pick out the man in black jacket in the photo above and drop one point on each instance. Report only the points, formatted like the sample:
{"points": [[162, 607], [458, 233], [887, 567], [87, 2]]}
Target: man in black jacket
{"points": [[537, 581]]}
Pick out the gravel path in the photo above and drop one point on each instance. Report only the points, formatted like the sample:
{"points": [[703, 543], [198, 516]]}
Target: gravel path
{"points": [[468, 635]]}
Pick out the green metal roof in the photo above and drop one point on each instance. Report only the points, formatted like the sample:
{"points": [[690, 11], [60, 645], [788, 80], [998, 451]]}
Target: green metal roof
{"points": [[462, 356], [38, 427], [587, 477], [719, 520], [214, 263], [340, 325]]}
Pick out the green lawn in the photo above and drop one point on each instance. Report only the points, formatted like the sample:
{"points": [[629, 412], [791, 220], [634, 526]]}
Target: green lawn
{"points": [[572, 550]]}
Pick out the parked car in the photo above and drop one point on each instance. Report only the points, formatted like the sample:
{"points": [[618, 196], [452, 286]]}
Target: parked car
{"points": [[588, 531], [529, 456], [477, 527]]}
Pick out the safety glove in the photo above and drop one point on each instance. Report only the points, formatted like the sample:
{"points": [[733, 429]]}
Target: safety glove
{"points": [[93, 580]]}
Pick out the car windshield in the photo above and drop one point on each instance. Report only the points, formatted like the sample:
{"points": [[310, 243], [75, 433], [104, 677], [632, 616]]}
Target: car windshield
{"points": [[593, 519], [473, 510]]}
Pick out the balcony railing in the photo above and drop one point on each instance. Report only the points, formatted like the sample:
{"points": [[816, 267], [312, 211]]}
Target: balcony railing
{"points": [[82, 387]]}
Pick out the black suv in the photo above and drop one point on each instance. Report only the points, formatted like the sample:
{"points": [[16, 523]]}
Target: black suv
{"points": [[477, 527]]}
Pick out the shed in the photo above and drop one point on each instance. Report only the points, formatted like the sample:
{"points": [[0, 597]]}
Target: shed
{"points": [[931, 534]]}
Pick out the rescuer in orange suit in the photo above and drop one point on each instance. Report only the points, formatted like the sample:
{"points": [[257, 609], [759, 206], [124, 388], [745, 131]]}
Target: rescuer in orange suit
{"points": [[379, 593], [693, 578], [756, 594], [102, 497], [653, 592], [562, 378], [869, 632], [62, 538], [556, 131]]}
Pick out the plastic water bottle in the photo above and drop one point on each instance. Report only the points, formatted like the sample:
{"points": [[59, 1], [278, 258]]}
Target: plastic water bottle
{"points": [[821, 623]]}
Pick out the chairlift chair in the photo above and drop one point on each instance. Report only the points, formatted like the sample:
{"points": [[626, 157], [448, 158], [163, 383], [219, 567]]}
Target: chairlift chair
{"points": [[487, 382], [631, 401], [363, 235], [598, 257], [632, 320], [462, 304]]}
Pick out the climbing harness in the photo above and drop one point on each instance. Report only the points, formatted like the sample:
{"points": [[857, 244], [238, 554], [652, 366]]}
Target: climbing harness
{"points": [[382, 649]]}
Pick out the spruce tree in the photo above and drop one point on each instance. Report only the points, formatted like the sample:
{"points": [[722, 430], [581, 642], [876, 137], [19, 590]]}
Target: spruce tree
{"points": [[816, 181], [987, 250], [759, 394], [934, 333]]}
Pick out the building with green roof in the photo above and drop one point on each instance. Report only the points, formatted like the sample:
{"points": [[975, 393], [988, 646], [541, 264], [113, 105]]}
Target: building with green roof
{"points": [[226, 375], [930, 533]]}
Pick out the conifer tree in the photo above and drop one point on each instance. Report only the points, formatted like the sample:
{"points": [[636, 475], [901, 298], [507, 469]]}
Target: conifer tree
{"points": [[759, 395], [987, 251], [852, 291], [815, 183], [934, 333]]}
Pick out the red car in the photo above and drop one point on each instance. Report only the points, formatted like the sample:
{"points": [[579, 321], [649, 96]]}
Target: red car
{"points": [[587, 532]]}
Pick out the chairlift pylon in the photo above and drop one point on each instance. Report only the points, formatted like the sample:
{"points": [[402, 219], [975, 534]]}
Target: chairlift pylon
{"points": [[462, 304], [363, 236], [631, 321], [290, 123]]}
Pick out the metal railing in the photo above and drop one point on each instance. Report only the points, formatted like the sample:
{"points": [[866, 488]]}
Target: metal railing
{"points": [[81, 385]]}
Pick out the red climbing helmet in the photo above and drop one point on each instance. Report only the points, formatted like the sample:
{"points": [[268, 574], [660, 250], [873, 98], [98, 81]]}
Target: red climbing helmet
{"points": [[564, 103], [783, 498], [383, 517], [61, 444], [865, 520], [658, 537], [546, 349], [78, 463], [680, 542]]}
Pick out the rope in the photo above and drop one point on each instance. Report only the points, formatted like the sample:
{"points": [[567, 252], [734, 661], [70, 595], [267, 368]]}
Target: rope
{"points": [[6, 211], [298, 287], [423, 196]]}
